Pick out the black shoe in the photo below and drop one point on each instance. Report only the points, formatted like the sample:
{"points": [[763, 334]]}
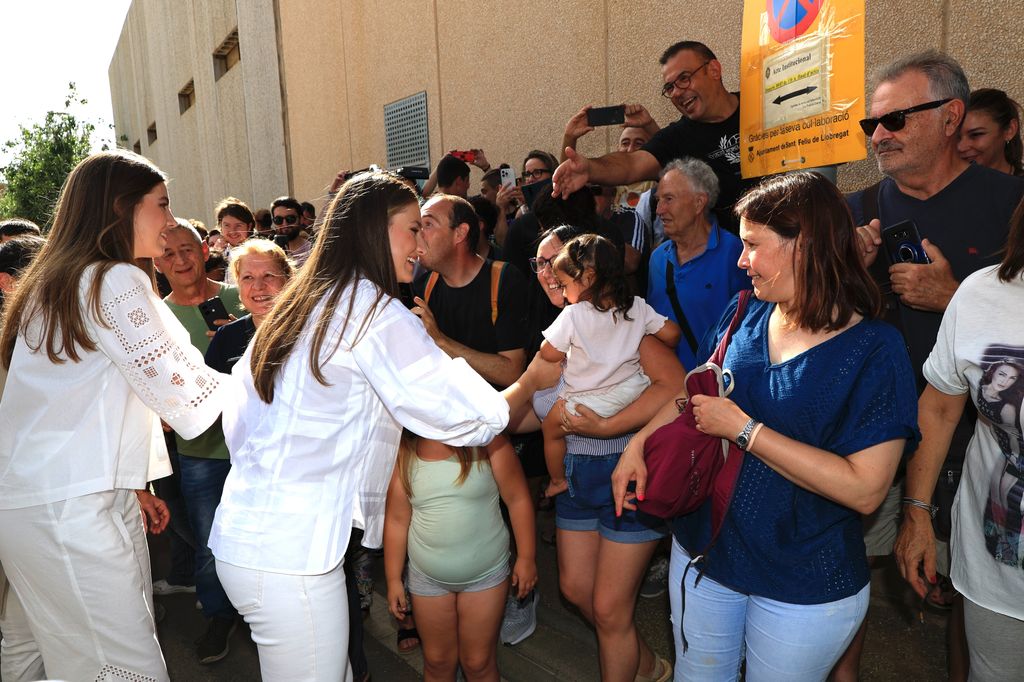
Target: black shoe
{"points": [[213, 646]]}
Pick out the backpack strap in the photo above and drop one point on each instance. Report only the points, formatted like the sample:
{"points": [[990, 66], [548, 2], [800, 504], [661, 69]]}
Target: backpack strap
{"points": [[429, 289], [673, 298], [497, 272]]}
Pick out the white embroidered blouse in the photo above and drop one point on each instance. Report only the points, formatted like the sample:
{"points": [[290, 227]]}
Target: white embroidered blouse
{"points": [[317, 461], [78, 428]]}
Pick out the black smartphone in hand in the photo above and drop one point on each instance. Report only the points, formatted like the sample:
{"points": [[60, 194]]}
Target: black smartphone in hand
{"points": [[606, 116], [213, 309], [902, 244]]}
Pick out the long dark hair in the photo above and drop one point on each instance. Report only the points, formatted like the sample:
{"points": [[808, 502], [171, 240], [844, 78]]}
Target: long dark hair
{"points": [[1013, 258], [600, 255], [830, 278], [353, 244], [1004, 111], [93, 223]]}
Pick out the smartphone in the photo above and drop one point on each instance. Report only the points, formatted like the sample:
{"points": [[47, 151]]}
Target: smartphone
{"points": [[606, 116], [469, 156], [213, 309], [902, 244], [508, 178]]}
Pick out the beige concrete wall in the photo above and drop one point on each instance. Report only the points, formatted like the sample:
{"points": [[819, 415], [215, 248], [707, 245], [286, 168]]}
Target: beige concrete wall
{"points": [[211, 150], [316, 75]]}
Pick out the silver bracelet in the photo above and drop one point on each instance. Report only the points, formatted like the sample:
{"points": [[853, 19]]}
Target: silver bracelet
{"points": [[930, 508]]}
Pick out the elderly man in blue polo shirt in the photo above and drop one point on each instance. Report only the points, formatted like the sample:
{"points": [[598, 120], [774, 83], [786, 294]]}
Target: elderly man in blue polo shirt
{"points": [[693, 275]]}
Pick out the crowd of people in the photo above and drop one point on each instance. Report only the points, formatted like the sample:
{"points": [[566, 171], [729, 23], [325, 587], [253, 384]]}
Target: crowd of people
{"points": [[284, 392]]}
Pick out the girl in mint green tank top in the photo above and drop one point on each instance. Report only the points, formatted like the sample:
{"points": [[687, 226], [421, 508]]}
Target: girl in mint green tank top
{"points": [[443, 516]]}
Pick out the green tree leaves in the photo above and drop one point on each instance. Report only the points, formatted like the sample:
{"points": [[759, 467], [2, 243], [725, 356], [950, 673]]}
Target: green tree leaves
{"points": [[42, 156]]}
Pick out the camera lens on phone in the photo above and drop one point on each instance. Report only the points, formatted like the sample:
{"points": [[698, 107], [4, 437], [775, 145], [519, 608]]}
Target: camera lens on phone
{"points": [[906, 253]]}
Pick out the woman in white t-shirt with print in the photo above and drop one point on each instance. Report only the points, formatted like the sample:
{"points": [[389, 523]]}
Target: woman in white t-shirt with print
{"points": [[979, 354]]}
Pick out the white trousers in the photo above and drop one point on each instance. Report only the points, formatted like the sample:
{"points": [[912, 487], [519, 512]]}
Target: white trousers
{"points": [[81, 569], [299, 622], [20, 660]]}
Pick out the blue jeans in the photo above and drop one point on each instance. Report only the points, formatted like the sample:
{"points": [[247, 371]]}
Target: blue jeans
{"points": [[202, 482], [781, 641]]}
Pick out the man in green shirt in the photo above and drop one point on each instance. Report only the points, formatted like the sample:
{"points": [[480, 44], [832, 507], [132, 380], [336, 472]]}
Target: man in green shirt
{"points": [[203, 461]]}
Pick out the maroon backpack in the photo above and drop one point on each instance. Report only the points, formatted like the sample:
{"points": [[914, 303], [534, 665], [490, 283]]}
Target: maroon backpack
{"points": [[686, 466]]}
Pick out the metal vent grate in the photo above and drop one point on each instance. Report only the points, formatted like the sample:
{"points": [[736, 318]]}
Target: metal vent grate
{"points": [[405, 131]]}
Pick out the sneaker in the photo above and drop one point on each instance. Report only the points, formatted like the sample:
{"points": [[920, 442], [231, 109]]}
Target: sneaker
{"points": [[656, 581], [520, 618], [213, 646], [162, 587]]}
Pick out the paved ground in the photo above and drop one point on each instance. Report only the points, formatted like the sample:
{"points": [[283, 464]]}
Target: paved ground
{"points": [[899, 647]]}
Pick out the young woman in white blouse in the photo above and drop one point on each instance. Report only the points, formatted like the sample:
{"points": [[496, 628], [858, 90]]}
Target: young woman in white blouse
{"points": [[95, 360], [335, 371]]}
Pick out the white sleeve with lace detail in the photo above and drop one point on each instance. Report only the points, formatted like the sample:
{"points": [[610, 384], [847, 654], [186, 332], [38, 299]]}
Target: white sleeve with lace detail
{"points": [[152, 350]]}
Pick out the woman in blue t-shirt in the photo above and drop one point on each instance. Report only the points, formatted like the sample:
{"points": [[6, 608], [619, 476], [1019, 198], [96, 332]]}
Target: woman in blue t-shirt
{"points": [[824, 398]]}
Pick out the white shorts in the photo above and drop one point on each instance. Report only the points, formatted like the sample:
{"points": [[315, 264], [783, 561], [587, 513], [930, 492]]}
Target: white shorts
{"points": [[80, 568], [608, 400]]}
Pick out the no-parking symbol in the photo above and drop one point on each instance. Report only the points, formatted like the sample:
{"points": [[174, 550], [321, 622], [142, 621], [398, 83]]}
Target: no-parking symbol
{"points": [[788, 19]]}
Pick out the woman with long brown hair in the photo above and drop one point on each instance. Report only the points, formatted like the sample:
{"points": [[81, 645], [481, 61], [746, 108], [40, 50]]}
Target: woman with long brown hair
{"points": [[95, 362], [338, 366], [978, 356], [823, 401]]}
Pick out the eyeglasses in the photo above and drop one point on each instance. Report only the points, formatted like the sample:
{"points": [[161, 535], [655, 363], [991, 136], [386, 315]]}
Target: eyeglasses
{"points": [[682, 81], [536, 174], [290, 219], [895, 120], [539, 264]]}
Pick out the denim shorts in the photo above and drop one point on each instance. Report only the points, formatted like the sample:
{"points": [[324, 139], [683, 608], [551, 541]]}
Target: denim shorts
{"points": [[422, 585], [589, 506]]}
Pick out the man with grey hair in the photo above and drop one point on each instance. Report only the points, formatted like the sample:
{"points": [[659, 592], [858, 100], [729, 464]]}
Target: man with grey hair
{"points": [[693, 275], [962, 212], [202, 462]]}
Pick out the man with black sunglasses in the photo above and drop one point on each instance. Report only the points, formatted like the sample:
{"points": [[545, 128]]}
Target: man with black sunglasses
{"points": [[962, 212], [709, 130], [286, 213]]}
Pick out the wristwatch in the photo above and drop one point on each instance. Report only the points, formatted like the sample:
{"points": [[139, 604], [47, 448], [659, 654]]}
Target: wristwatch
{"points": [[743, 440]]}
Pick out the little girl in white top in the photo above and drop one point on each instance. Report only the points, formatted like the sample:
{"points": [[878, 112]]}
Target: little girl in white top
{"points": [[598, 336]]}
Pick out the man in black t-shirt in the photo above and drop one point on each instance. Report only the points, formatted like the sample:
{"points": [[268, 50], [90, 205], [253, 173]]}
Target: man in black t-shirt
{"points": [[962, 212], [708, 130], [472, 308]]}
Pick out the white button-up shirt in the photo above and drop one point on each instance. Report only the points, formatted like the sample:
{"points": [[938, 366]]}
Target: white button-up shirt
{"points": [[318, 459], [78, 428]]}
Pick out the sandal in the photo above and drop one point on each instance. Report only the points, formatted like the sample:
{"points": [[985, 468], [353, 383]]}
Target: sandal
{"points": [[662, 672], [410, 637]]}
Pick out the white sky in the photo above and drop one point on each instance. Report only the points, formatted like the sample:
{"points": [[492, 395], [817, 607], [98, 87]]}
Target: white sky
{"points": [[46, 45]]}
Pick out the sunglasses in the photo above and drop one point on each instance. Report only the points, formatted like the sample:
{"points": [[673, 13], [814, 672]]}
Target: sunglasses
{"points": [[895, 120], [290, 219]]}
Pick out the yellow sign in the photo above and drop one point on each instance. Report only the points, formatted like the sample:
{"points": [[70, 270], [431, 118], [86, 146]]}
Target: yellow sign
{"points": [[801, 84]]}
